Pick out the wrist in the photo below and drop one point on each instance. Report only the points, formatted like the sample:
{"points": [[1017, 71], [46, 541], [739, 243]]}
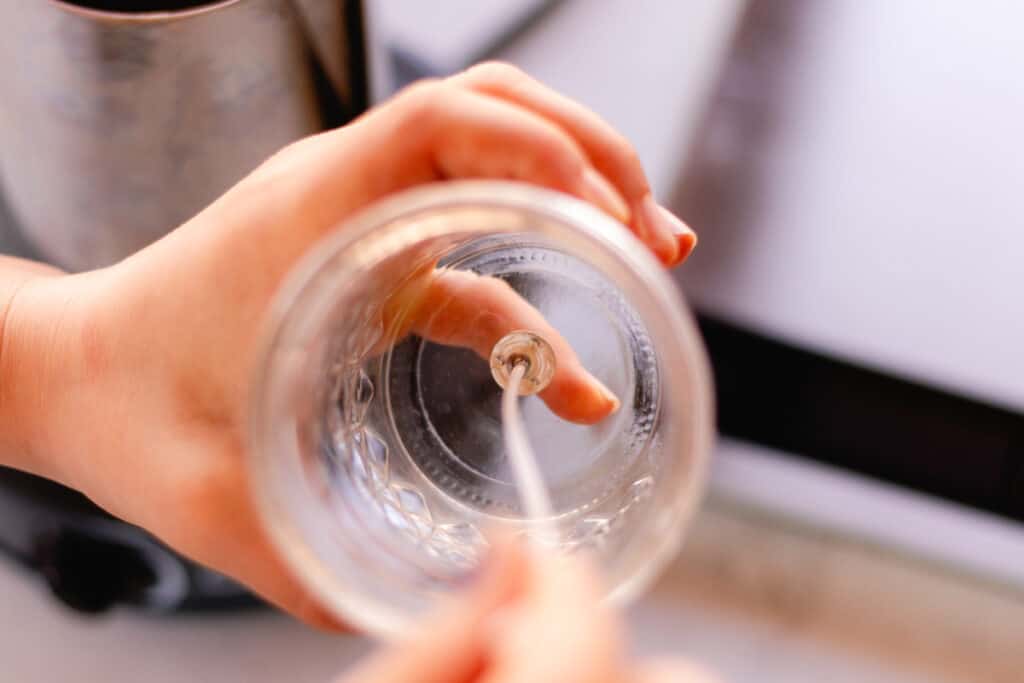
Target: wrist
{"points": [[39, 316]]}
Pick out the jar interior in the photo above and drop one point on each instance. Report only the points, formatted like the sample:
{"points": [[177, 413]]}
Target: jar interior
{"points": [[381, 390]]}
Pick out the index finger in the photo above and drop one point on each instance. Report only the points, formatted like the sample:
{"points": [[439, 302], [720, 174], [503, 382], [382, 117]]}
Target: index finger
{"points": [[462, 308], [607, 149]]}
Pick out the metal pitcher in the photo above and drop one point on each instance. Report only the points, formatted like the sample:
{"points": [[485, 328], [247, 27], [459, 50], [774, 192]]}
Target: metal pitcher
{"points": [[120, 119]]}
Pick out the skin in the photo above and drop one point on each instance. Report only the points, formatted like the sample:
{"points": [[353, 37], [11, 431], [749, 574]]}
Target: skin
{"points": [[530, 617], [130, 383]]}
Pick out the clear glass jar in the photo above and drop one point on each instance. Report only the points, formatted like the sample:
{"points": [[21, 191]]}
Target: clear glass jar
{"points": [[377, 453]]}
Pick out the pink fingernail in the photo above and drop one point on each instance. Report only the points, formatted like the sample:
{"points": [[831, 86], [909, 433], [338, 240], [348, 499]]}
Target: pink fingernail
{"points": [[687, 243], [677, 226], [611, 398], [684, 239]]}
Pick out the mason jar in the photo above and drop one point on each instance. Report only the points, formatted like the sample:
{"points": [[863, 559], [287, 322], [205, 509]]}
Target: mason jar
{"points": [[375, 433]]}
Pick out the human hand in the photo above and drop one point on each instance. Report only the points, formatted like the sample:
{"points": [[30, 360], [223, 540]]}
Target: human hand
{"points": [[530, 617], [131, 383]]}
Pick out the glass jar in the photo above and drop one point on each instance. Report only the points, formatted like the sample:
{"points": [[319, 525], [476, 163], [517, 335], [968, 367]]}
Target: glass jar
{"points": [[375, 434]]}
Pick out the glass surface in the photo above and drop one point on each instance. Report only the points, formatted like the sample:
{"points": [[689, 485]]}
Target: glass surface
{"points": [[376, 431]]}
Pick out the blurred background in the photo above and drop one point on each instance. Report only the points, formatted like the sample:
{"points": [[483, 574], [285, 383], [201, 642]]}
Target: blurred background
{"points": [[853, 169]]}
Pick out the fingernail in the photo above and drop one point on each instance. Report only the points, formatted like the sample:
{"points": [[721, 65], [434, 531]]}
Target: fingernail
{"points": [[687, 243], [597, 190], [611, 399], [686, 238], [666, 235]]}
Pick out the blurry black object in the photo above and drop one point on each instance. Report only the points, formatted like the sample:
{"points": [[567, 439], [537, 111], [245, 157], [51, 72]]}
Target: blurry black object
{"points": [[92, 561], [804, 403]]}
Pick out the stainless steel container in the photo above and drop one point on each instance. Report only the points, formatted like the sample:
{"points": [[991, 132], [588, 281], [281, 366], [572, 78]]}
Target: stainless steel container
{"points": [[117, 126]]}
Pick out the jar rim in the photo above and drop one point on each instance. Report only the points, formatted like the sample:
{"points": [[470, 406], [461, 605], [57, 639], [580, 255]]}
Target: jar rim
{"points": [[671, 318]]}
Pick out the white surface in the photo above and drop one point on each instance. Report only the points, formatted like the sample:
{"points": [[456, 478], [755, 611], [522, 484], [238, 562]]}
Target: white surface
{"points": [[884, 219]]}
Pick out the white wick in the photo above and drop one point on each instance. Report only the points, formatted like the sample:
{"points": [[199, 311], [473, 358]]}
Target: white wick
{"points": [[532, 493]]}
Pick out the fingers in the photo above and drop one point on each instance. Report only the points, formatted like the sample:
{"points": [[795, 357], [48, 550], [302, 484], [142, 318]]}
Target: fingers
{"points": [[475, 126], [431, 131], [557, 630], [530, 617], [452, 646], [610, 153], [437, 131], [608, 150], [468, 135], [461, 308]]}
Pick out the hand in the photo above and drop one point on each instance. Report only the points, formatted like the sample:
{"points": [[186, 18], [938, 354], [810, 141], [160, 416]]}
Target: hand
{"points": [[530, 618], [130, 383]]}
